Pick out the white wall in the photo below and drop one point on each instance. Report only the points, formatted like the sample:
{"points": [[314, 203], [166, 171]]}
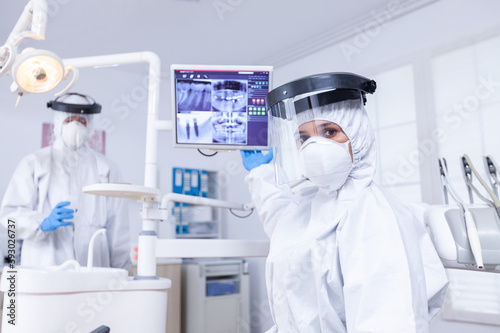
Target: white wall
{"points": [[404, 39]]}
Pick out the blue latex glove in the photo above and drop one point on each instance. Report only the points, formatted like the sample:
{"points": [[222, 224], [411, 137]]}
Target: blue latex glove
{"points": [[57, 217], [254, 158]]}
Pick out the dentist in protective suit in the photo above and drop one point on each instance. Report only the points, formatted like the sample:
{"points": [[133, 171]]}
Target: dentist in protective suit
{"points": [[345, 255], [49, 181]]}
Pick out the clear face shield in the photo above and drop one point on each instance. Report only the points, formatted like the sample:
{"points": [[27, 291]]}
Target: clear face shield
{"points": [[75, 119], [307, 140]]}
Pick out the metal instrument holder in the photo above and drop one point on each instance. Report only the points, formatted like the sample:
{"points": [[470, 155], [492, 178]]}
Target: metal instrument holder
{"points": [[491, 170], [468, 225], [443, 177], [467, 172], [470, 187]]}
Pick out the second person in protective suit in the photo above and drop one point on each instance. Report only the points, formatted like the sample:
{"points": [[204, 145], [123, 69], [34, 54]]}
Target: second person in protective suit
{"points": [[345, 255], [53, 217]]}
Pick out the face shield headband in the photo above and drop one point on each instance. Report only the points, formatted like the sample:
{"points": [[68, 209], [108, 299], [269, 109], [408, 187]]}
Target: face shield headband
{"points": [[323, 89], [91, 107], [316, 101]]}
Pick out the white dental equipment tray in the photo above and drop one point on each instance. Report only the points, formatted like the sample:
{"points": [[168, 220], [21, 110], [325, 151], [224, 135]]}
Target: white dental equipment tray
{"points": [[211, 248], [447, 229], [128, 191]]}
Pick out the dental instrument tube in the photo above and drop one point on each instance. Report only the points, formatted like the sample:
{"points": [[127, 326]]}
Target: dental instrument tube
{"points": [[473, 236], [443, 181], [90, 255], [491, 170], [468, 180], [470, 225], [495, 202]]}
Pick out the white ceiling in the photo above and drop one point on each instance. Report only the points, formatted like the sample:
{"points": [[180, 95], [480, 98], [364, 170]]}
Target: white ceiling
{"points": [[194, 31]]}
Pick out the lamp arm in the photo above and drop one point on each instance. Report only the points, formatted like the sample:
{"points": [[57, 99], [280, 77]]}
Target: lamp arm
{"points": [[34, 15], [39, 21], [71, 84]]}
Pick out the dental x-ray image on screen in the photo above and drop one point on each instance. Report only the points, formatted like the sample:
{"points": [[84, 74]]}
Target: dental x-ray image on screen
{"points": [[194, 127], [229, 96], [220, 107], [194, 95], [229, 127]]}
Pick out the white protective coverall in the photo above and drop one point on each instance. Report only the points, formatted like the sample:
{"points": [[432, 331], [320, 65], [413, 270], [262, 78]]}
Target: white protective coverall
{"points": [[351, 260], [54, 174]]}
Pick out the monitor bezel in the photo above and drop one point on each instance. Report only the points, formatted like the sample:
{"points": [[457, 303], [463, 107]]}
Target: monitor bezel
{"points": [[216, 147]]}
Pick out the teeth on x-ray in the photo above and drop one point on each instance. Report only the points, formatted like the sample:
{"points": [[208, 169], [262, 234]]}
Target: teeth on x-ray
{"points": [[229, 96], [194, 95], [229, 127]]}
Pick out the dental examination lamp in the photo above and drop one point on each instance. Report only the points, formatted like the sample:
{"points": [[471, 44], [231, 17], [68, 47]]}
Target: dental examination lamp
{"points": [[33, 70]]}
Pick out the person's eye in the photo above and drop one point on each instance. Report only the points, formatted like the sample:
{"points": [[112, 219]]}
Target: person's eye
{"points": [[303, 138], [330, 132]]}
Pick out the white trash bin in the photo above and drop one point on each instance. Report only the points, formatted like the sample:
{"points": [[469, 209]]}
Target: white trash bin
{"points": [[74, 299]]}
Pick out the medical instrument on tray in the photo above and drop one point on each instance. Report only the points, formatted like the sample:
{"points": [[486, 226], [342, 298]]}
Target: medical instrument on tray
{"points": [[491, 169], [469, 221], [494, 202]]}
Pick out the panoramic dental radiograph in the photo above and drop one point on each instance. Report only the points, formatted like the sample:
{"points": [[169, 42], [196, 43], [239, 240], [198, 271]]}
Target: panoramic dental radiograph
{"points": [[229, 96], [229, 127]]}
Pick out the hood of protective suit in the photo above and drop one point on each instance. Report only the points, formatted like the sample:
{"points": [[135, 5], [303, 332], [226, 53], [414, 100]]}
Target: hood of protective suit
{"points": [[352, 118]]}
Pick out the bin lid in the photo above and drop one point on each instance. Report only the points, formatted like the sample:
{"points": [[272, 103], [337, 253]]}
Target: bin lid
{"points": [[71, 278]]}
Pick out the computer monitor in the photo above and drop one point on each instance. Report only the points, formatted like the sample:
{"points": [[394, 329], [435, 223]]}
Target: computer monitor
{"points": [[220, 107]]}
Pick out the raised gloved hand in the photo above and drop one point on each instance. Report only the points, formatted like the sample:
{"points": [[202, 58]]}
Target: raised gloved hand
{"points": [[254, 158], [56, 217]]}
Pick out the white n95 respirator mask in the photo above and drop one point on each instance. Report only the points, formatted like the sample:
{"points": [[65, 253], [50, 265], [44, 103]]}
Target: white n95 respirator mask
{"points": [[325, 162], [74, 134]]}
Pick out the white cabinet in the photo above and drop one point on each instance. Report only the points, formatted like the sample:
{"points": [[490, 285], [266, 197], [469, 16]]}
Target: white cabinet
{"points": [[215, 296]]}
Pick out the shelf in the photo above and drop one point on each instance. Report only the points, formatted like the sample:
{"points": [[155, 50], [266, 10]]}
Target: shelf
{"points": [[117, 190]]}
